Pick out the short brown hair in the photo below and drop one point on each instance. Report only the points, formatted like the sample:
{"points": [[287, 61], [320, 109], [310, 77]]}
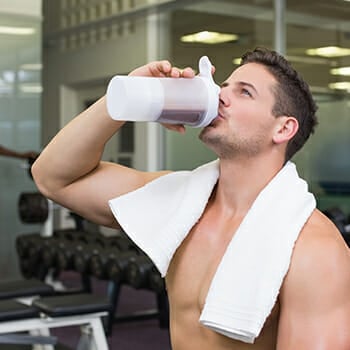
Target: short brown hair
{"points": [[292, 95]]}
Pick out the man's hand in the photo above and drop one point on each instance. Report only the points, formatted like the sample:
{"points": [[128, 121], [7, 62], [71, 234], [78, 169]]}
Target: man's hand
{"points": [[164, 69]]}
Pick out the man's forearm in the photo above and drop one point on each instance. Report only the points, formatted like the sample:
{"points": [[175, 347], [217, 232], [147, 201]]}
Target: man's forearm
{"points": [[76, 150], [10, 153]]}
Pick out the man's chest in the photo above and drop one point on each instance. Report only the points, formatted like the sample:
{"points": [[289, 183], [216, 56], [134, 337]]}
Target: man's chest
{"points": [[198, 257]]}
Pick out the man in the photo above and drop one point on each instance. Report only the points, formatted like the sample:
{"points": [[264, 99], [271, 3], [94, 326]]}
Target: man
{"points": [[4, 151], [266, 113]]}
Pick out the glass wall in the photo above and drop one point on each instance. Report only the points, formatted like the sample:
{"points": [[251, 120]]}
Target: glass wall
{"points": [[318, 44], [20, 93], [324, 161], [250, 23]]}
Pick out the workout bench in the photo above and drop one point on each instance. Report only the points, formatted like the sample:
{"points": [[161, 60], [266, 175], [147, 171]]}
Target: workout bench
{"points": [[36, 315]]}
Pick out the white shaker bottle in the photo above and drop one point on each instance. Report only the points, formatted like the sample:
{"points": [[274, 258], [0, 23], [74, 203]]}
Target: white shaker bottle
{"points": [[190, 101]]}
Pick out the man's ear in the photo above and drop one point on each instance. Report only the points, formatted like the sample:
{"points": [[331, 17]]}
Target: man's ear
{"points": [[286, 128]]}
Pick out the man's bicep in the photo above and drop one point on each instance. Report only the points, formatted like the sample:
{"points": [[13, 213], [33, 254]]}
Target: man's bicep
{"points": [[89, 195], [325, 331], [315, 307]]}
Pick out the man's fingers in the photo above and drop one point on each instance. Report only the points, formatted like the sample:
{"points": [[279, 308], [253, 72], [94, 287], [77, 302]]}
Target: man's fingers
{"points": [[163, 69], [160, 68], [188, 72], [175, 127]]}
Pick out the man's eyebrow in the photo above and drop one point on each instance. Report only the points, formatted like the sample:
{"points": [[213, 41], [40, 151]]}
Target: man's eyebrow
{"points": [[224, 84], [240, 83], [244, 83]]}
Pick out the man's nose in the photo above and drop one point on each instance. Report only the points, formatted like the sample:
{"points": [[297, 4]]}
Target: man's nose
{"points": [[223, 98]]}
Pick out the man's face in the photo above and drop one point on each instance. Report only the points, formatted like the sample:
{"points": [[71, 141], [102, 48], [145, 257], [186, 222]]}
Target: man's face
{"points": [[245, 122]]}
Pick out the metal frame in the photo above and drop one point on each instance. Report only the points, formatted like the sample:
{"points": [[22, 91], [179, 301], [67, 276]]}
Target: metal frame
{"points": [[40, 327]]}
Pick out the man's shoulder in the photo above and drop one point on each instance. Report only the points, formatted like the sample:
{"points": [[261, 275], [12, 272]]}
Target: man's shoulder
{"points": [[320, 253], [320, 233], [320, 243]]}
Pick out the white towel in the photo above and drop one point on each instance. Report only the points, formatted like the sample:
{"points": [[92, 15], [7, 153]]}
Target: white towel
{"points": [[246, 284]]}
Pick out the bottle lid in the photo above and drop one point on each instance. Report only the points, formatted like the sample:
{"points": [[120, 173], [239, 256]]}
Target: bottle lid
{"points": [[205, 74]]}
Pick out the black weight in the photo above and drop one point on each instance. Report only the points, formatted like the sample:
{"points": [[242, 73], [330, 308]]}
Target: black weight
{"points": [[106, 264], [156, 281], [338, 217], [138, 272], [30, 162], [33, 207]]}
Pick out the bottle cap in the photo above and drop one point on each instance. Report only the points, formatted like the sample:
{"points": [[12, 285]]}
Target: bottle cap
{"points": [[205, 74]]}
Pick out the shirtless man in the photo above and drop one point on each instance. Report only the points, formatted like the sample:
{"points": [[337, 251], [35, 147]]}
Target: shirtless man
{"points": [[266, 113]]}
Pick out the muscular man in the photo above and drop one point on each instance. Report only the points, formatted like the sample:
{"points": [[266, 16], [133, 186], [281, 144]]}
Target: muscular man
{"points": [[266, 113]]}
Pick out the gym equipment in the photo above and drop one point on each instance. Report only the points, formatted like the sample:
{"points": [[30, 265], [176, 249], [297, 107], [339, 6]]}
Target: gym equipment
{"points": [[110, 262], [33, 207], [24, 288], [99, 262], [29, 248], [66, 251], [83, 255], [58, 239], [137, 274], [161, 312], [340, 220], [116, 269], [49, 254], [337, 216], [122, 242], [39, 315], [23, 243], [142, 273], [156, 281], [92, 254], [30, 161], [47, 247]]}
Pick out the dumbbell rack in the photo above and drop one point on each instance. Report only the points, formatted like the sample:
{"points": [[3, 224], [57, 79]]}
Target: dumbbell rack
{"points": [[45, 254], [71, 239]]}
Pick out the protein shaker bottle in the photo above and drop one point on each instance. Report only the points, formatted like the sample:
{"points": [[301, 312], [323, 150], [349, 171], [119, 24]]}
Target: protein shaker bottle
{"points": [[190, 101]]}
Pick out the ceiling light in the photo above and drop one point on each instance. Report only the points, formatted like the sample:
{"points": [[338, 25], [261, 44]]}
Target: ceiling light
{"points": [[209, 37], [16, 30], [31, 66], [237, 61], [31, 88], [341, 70], [341, 85], [329, 51]]}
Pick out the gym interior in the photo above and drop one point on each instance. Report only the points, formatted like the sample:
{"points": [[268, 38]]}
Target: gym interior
{"points": [[57, 58]]}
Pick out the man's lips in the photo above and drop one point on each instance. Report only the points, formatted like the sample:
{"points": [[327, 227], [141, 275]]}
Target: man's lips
{"points": [[220, 116], [216, 119]]}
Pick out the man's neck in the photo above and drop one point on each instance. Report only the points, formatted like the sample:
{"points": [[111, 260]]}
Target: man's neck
{"points": [[240, 183]]}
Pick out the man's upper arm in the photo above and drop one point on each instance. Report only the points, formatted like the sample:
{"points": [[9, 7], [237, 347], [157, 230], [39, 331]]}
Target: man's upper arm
{"points": [[315, 297], [89, 195]]}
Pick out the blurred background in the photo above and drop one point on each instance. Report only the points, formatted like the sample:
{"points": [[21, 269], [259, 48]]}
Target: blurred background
{"points": [[57, 57]]}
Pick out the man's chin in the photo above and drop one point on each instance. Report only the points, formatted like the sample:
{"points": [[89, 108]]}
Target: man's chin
{"points": [[206, 133]]}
